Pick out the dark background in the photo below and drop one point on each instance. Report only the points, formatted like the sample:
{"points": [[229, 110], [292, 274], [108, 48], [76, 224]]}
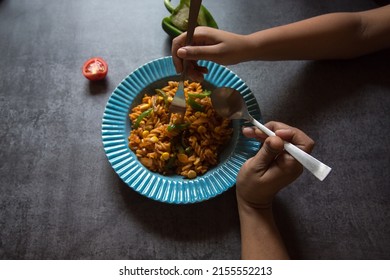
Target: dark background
{"points": [[60, 198]]}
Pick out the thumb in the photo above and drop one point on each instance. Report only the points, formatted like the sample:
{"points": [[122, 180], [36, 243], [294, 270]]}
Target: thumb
{"points": [[271, 147]]}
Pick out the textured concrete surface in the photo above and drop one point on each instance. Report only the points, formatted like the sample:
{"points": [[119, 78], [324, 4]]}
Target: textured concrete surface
{"points": [[60, 198]]}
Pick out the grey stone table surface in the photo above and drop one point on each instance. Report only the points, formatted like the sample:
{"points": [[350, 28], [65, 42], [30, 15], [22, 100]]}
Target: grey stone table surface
{"points": [[60, 198]]}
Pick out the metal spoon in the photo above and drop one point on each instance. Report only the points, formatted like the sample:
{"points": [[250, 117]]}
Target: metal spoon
{"points": [[229, 103]]}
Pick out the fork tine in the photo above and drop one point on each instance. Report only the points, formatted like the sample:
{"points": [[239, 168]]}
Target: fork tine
{"points": [[178, 104]]}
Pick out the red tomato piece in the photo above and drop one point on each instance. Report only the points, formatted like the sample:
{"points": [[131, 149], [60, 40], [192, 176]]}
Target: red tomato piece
{"points": [[95, 69]]}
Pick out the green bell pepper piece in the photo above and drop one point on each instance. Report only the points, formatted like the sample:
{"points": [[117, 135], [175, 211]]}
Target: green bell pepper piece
{"points": [[177, 22], [164, 96], [141, 116], [178, 127], [195, 105], [169, 28], [200, 95], [171, 163]]}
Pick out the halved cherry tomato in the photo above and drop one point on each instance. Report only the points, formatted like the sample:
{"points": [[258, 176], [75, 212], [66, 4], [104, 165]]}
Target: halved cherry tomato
{"points": [[95, 69]]}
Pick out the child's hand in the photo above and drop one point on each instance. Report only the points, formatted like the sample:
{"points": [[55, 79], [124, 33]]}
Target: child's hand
{"points": [[271, 169], [212, 44]]}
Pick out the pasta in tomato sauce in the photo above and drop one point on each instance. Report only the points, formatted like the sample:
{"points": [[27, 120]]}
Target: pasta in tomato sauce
{"points": [[165, 144]]}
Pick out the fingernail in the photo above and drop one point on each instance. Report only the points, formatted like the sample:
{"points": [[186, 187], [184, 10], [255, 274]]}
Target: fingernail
{"points": [[182, 52], [248, 128]]}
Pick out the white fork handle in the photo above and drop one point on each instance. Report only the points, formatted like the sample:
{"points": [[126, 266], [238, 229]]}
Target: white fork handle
{"points": [[316, 167]]}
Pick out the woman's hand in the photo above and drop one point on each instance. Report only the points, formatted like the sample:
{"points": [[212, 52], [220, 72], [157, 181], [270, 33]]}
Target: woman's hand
{"points": [[272, 168]]}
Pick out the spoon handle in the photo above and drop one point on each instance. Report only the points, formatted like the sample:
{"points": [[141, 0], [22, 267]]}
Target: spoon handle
{"points": [[316, 167]]}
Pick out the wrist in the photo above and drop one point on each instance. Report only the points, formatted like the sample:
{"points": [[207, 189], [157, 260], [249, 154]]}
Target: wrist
{"points": [[255, 201], [260, 238], [250, 48], [247, 205]]}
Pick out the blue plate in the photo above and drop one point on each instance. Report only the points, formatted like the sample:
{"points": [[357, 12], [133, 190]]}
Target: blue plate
{"points": [[173, 189]]}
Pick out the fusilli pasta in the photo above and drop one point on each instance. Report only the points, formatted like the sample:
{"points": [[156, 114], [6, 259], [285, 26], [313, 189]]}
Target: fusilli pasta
{"points": [[167, 145]]}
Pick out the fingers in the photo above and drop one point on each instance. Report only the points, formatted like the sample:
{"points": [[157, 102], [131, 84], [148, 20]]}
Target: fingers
{"points": [[196, 72], [253, 132], [177, 43], [271, 148], [292, 135], [203, 47], [284, 131], [199, 52]]}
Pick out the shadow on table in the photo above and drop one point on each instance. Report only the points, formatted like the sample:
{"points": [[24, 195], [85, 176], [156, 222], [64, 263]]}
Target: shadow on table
{"points": [[98, 87], [325, 84], [381, 2], [198, 221]]}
